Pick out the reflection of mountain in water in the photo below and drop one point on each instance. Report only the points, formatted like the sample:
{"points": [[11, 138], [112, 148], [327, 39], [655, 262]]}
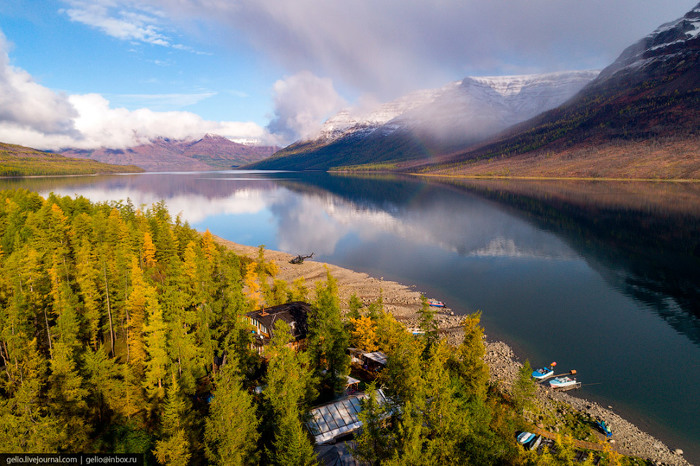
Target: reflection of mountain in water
{"points": [[429, 214], [643, 238], [648, 250]]}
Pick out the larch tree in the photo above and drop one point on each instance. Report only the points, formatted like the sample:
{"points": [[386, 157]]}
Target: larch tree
{"points": [[230, 433], [289, 384], [173, 448], [155, 339], [328, 337]]}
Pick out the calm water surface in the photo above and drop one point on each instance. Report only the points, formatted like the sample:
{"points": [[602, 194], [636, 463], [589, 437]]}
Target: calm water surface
{"points": [[600, 277]]}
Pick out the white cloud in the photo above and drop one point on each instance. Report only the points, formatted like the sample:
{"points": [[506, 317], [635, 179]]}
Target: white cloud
{"points": [[35, 116], [99, 125], [302, 102], [26, 104], [162, 101], [391, 46], [122, 24]]}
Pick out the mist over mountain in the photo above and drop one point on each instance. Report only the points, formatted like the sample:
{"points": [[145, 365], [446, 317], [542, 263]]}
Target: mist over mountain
{"points": [[638, 119], [431, 121], [210, 152]]}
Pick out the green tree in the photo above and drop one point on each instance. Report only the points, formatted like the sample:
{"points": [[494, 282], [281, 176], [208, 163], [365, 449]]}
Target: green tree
{"points": [[328, 337], [524, 389], [289, 387], [173, 447], [468, 361], [372, 441], [230, 434], [428, 324]]}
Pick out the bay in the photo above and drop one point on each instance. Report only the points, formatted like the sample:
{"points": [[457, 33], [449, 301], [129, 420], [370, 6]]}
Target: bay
{"points": [[602, 277]]}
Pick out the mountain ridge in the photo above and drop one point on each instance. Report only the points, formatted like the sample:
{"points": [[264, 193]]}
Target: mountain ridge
{"points": [[430, 121], [210, 152], [16, 160], [638, 119]]}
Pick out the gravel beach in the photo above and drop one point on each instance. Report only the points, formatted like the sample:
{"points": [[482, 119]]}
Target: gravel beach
{"points": [[403, 302]]}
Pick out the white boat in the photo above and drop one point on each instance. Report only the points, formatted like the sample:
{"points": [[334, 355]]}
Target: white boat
{"points": [[564, 382], [525, 437], [536, 443]]}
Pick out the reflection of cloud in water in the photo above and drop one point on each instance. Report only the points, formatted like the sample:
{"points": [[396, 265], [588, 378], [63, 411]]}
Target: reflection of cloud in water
{"points": [[193, 208], [502, 247], [309, 221], [317, 223]]}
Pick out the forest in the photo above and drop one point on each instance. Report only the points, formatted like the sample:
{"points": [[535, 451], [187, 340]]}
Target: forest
{"points": [[122, 331]]}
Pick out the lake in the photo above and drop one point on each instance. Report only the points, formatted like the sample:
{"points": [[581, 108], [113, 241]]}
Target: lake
{"points": [[602, 277]]}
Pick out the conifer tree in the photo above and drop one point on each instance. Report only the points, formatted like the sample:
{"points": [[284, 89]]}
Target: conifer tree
{"points": [[289, 387], [428, 324], [468, 361], [524, 389], [328, 337], [173, 447], [136, 317], [372, 441], [155, 339], [230, 433]]}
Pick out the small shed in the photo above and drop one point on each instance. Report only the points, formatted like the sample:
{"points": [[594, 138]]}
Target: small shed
{"points": [[374, 361], [295, 314]]}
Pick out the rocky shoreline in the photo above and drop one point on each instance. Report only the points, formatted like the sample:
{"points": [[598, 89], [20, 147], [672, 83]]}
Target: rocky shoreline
{"points": [[403, 302]]}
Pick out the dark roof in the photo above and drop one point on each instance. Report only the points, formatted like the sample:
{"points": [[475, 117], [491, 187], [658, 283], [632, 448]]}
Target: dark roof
{"points": [[294, 313]]}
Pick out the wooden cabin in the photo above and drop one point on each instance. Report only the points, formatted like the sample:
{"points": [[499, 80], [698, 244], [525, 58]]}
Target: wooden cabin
{"points": [[295, 314]]}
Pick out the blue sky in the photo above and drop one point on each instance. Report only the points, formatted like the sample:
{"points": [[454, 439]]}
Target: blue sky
{"points": [[90, 73]]}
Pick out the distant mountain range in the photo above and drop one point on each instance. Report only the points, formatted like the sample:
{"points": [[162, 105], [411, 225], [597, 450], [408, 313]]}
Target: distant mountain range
{"points": [[427, 122], [24, 161], [640, 118], [211, 152]]}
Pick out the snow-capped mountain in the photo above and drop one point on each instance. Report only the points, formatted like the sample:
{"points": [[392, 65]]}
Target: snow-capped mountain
{"points": [[638, 119], [475, 106], [673, 40], [430, 121]]}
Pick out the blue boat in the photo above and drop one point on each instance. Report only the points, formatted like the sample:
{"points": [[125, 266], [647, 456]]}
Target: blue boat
{"points": [[604, 427], [544, 372], [525, 437]]}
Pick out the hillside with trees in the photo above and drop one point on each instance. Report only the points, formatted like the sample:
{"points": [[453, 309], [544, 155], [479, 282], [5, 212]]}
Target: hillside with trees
{"points": [[23, 161], [122, 330]]}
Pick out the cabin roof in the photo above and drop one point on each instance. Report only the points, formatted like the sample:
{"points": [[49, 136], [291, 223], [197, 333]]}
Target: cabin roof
{"points": [[295, 314]]}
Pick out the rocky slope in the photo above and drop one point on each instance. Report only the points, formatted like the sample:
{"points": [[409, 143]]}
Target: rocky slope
{"points": [[430, 121], [638, 119], [211, 152]]}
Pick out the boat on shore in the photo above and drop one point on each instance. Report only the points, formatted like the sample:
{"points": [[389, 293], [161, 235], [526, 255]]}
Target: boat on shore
{"points": [[525, 437], [544, 372], [436, 303], [604, 428], [564, 383]]}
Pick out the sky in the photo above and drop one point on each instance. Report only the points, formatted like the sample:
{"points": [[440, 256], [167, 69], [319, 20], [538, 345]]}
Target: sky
{"points": [[117, 73]]}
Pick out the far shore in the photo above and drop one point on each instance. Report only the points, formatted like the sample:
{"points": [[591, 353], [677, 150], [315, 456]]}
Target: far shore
{"points": [[403, 302]]}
